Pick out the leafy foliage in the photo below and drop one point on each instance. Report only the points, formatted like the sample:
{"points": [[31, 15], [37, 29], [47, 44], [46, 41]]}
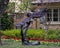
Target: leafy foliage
{"points": [[11, 8], [12, 33], [25, 5], [6, 22], [32, 33]]}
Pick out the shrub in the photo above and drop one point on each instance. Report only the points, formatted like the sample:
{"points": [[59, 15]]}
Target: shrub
{"points": [[36, 33], [6, 22], [33, 33], [12, 33]]}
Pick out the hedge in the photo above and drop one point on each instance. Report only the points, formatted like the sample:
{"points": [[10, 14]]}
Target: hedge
{"points": [[33, 33]]}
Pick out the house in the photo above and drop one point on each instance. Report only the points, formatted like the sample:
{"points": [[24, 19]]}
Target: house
{"points": [[53, 14]]}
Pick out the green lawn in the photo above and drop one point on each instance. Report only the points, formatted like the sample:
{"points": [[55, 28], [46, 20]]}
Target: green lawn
{"points": [[17, 44]]}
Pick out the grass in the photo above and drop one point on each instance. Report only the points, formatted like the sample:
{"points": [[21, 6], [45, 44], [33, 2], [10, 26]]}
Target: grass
{"points": [[17, 44]]}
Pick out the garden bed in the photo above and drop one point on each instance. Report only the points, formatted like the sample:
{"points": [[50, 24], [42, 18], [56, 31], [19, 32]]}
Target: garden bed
{"points": [[33, 34], [33, 39]]}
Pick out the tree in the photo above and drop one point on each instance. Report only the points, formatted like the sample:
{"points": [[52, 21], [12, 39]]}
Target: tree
{"points": [[11, 8], [7, 20], [25, 5], [3, 5]]}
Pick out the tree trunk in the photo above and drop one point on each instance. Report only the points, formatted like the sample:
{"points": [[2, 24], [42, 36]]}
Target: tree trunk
{"points": [[0, 39], [0, 31]]}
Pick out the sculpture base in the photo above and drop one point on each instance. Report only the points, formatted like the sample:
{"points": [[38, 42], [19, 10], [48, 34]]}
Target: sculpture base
{"points": [[30, 43]]}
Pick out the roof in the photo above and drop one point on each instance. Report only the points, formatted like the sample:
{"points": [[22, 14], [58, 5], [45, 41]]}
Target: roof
{"points": [[44, 1]]}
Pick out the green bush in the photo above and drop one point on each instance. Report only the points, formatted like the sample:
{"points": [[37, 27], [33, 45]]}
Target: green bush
{"points": [[33, 33], [6, 22], [36, 33], [12, 33]]}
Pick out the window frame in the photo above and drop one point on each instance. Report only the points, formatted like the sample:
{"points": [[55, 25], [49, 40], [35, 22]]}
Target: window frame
{"points": [[52, 21]]}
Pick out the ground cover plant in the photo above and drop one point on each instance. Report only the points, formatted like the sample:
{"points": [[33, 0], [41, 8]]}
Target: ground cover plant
{"points": [[33, 33]]}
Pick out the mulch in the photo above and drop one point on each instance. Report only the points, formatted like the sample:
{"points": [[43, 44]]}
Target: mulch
{"points": [[38, 39]]}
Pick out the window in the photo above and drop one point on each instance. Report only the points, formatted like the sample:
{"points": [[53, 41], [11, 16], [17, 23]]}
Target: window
{"points": [[53, 15], [49, 15]]}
